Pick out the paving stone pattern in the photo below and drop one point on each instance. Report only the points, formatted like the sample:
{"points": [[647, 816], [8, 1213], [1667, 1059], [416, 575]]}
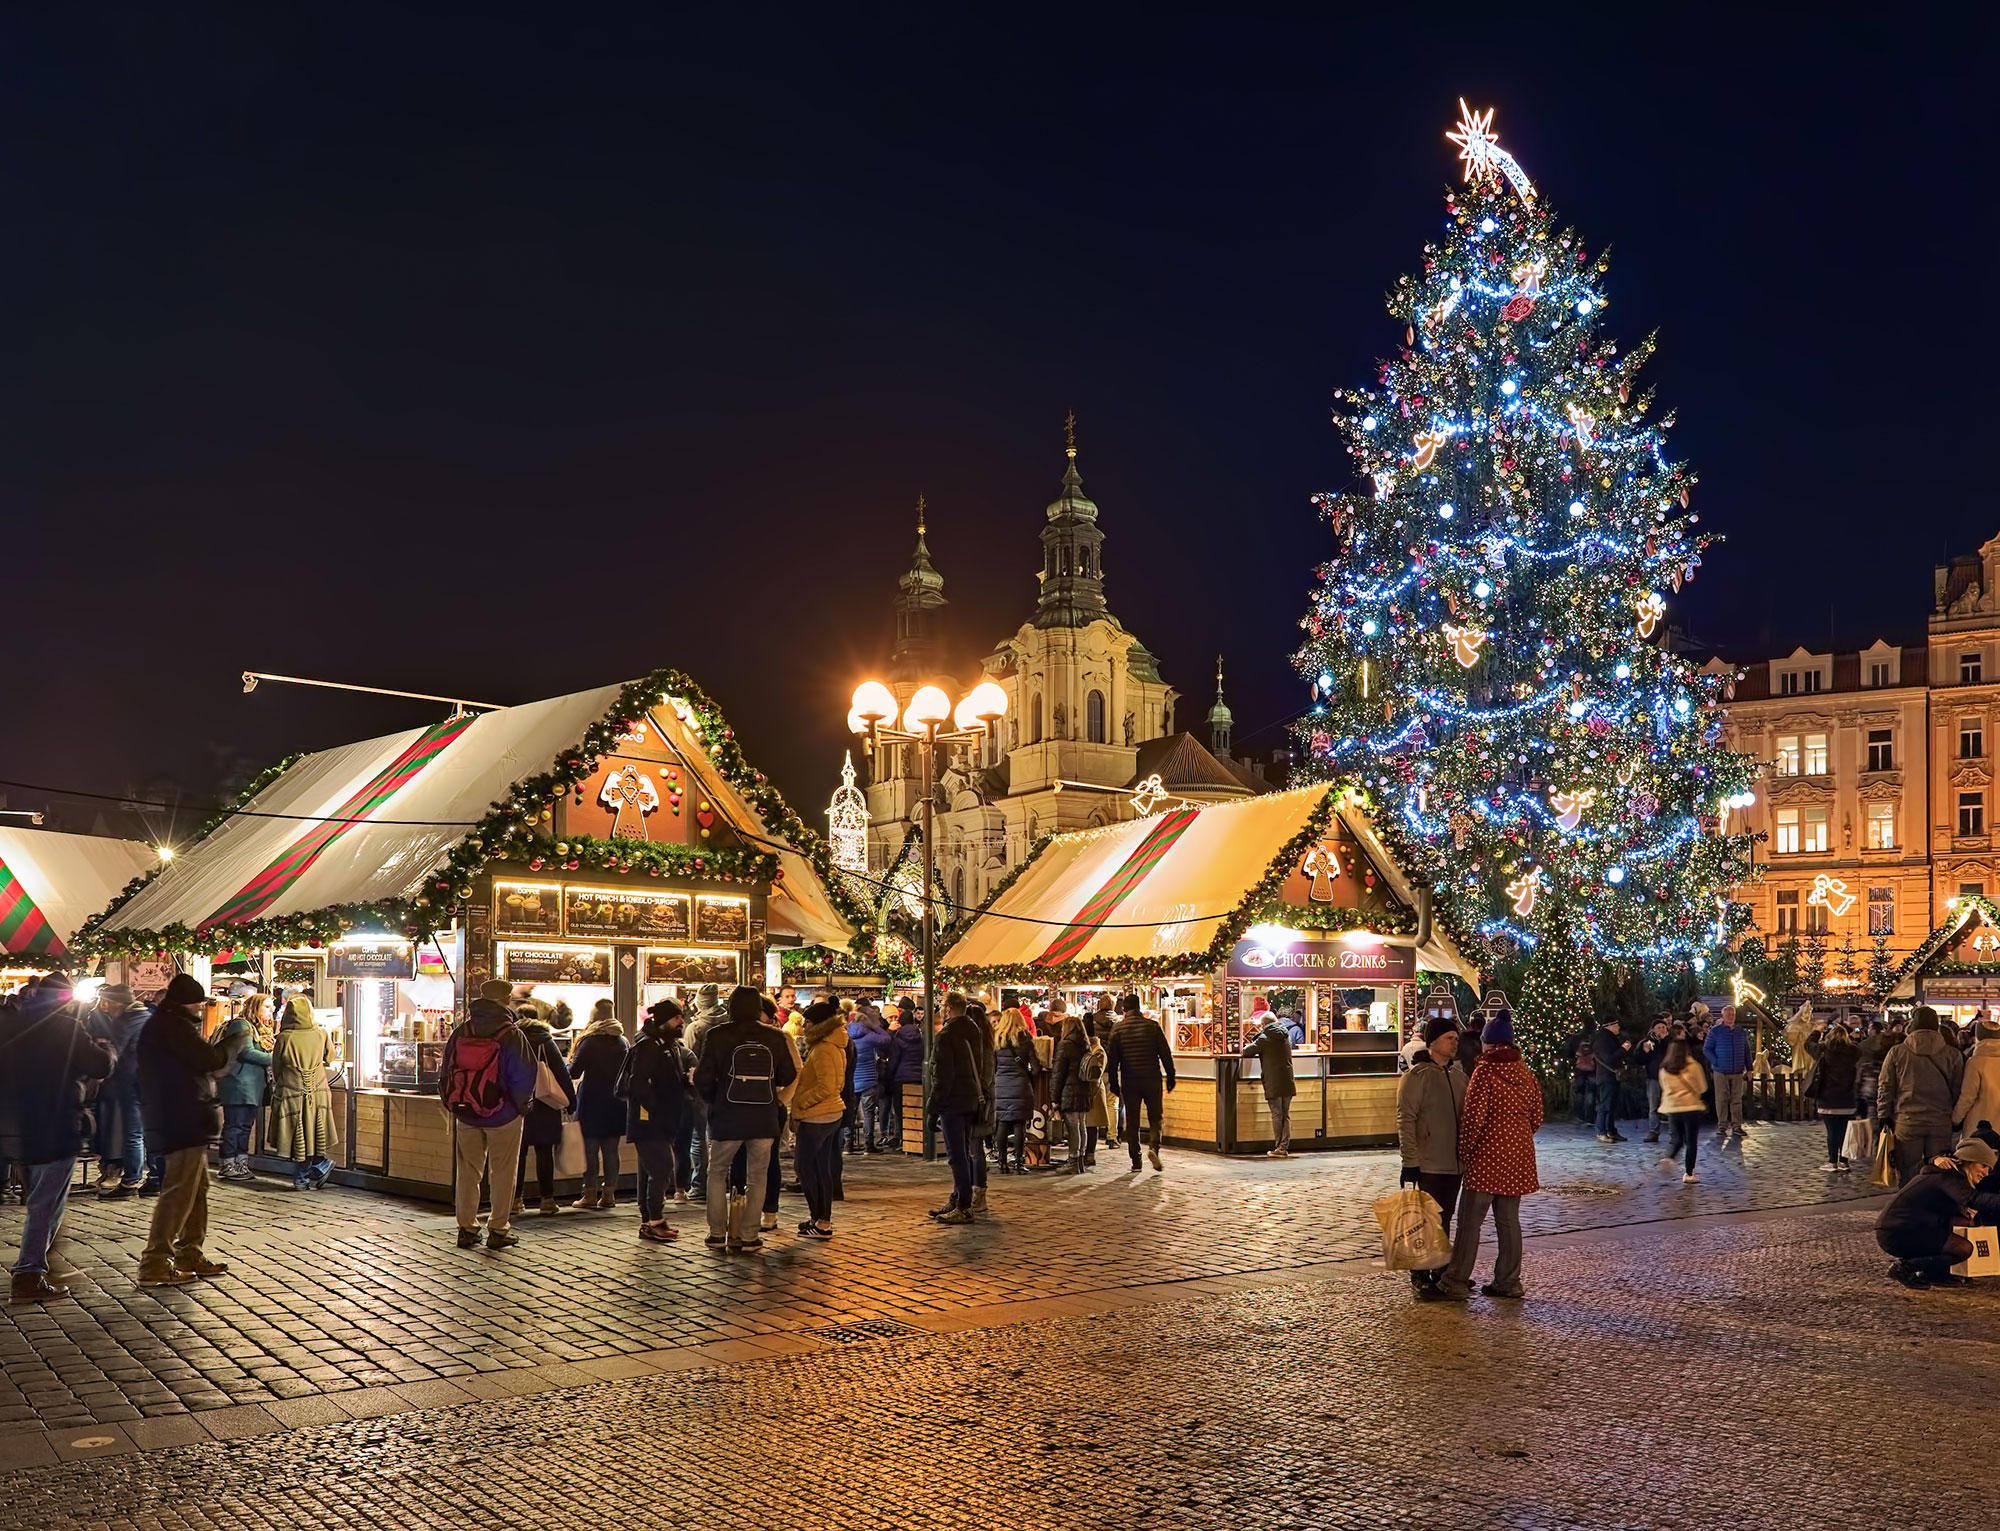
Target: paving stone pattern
{"points": [[1759, 1375], [335, 1291]]}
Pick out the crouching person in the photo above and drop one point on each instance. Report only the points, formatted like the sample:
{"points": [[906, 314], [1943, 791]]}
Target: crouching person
{"points": [[1916, 1228]]}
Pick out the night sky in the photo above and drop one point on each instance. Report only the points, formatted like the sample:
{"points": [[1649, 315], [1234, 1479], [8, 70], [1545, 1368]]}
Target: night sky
{"points": [[527, 351]]}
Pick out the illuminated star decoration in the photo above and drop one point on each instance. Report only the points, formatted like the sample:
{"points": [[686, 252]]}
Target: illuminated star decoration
{"points": [[1481, 151], [1741, 989], [1569, 807], [1465, 642], [1831, 893], [1149, 794], [1651, 608], [1426, 443], [1522, 891], [1584, 424]]}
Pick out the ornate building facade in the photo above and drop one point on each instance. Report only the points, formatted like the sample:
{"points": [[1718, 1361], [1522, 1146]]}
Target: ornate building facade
{"points": [[1089, 717], [1878, 798]]}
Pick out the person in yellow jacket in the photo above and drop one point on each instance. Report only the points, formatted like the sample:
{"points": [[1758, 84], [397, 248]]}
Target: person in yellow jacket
{"points": [[817, 1109]]}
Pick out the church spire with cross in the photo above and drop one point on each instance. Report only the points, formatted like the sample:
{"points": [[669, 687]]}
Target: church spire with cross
{"points": [[1221, 721], [919, 602], [1072, 573]]}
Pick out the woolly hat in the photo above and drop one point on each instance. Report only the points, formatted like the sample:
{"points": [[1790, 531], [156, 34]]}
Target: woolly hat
{"points": [[1438, 1026], [185, 989], [1975, 1151], [116, 994], [663, 1010], [496, 989], [1926, 1019], [1499, 1031], [1129, 1004]]}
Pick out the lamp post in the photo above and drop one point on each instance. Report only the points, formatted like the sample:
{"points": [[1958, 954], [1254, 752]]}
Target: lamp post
{"points": [[924, 724]]}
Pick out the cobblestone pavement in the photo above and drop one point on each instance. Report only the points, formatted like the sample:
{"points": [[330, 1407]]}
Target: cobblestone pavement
{"points": [[1753, 1374], [336, 1291]]}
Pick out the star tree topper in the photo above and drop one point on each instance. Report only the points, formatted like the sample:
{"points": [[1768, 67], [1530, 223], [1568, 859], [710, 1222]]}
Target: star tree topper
{"points": [[1479, 147]]}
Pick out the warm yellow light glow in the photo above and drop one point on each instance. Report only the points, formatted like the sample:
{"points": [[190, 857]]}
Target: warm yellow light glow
{"points": [[928, 708], [873, 703], [856, 724], [987, 704], [164, 852]]}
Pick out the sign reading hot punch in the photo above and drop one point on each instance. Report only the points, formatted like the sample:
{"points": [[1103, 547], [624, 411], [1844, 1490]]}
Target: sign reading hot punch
{"points": [[1346, 962]]}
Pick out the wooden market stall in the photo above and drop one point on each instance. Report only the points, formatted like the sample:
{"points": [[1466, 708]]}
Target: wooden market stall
{"points": [[50, 885], [1201, 911], [612, 844], [1956, 968]]}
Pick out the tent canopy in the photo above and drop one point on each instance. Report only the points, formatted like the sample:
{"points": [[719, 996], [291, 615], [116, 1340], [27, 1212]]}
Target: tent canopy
{"points": [[1162, 893], [51, 883]]}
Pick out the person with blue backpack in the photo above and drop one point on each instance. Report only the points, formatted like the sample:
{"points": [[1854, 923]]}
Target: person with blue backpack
{"points": [[486, 1081], [744, 1064]]}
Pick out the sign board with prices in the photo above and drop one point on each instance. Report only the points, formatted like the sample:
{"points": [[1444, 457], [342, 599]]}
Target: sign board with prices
{"points": [[725, 921], [691, 967], [527, 908], [391, 960], [149, 977], [558, 964], [1352, 962], [294, 972], [625, 914], [1962, 988]]}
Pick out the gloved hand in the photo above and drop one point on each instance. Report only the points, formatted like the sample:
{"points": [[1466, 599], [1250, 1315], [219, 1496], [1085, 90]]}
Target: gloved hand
{"points": [[1409, 1175]]}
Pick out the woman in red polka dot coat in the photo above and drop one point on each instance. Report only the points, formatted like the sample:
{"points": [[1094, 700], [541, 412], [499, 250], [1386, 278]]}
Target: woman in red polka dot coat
{"points": [[1496, 1144]]}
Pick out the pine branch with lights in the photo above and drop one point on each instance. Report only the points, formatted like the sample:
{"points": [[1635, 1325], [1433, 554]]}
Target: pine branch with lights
{"points": [[1486, 648]]}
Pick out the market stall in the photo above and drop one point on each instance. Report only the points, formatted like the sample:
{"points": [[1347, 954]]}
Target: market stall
{"points": [[613, 844], [1288, 898], [50, 884], [1956, 968]]}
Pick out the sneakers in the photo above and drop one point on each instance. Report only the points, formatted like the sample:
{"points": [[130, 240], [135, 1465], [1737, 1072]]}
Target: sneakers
{"points": [[1607, 1137], [769, 1224], [1153, 1158], [549, 1207], [150, 1188], [468, 1238], [946, 1210], [747, 1247], [715, 1240], [1909, 1276], [169, 1276], [1511, 1293], [956, 1218], [681, 1196], [119, 1191], [1447, 1290], [1137, 1166], [501, 1238], [1828, 1168], [1845, 1166], [1690, 1178], [658, 1233], [815, 1230]]}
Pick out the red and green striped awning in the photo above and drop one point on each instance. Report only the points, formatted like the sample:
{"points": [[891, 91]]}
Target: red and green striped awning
{"points": [[24, 932]]}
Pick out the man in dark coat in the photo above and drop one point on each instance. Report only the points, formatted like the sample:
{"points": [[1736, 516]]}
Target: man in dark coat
{"points": [[46, 1059], [177, 1072], [904, 1065], [1141, 1067], [744, 1064], [1271, 1046], [657, 1110], [1609, 1049], [958, 1096]]}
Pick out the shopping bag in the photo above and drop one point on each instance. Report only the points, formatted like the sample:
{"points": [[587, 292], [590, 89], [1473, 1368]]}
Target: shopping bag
{"points": [[548, 1089], [1985, 1258], [1884, 1173], [1855, 1144], [1413, 1237], [569, 1152]]}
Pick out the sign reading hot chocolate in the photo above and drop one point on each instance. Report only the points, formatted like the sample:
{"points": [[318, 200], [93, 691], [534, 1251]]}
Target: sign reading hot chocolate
{"points": [[1345, 962]]}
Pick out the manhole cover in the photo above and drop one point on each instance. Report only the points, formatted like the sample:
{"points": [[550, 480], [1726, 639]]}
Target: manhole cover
{"points": [[1583, 1188], [867, 1329]]}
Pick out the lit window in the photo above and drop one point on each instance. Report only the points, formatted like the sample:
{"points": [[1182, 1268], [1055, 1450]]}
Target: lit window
{"points": [[1815, 755], [1787, 761], [1788, 912], [1814, 836], [1971, 738], [1878, 672], [1881, 750], [1881, 826], [1972, 813], [1968, 669], [1816, 918], [1881, 911], [1788, 830]]}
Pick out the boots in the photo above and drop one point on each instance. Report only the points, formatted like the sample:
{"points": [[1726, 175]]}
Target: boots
{"points": [[608, 1199], [35, 1286], [979, 1198]]}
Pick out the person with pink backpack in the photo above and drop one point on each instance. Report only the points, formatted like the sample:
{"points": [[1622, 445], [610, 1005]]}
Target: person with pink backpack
{"points": [[486, 1080]]}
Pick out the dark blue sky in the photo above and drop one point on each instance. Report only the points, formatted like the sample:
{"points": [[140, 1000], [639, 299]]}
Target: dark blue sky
{"points": [[527, 350]]}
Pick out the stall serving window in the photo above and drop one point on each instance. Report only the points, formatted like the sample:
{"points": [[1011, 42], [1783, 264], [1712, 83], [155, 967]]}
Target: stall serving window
{"points": [[396, 1006]]}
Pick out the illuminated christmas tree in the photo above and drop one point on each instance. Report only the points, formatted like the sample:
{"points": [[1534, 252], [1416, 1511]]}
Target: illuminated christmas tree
{"points": [[1487, 648]]}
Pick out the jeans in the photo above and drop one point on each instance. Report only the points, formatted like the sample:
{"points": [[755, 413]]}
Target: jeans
{"points": [[816, 1154], [1729, 1092], [48, 1197], [600, 1155], [757, 1165], [1607, 1104], [1154, 1104], [892, 1107], [656, 1176], [1281, 1122], [1444, 1190], [236, 1124], [1836, 1133], [958, 1148], [180, 1216], [487, 1150], [1684, 1130], [698, 1125], [1014, 1143], [1917, 1147], [878, 1116], [976, 1149], [684, 1145], [128, 1149], [1582, 1098], [1653, 1121], [1472, 1207], [774, 1173], [545, 1170]]}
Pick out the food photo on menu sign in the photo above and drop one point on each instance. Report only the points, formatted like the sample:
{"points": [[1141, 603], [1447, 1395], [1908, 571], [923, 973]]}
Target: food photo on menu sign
{"points": [[536, 964], [691, 967], [527, 908], [721, 919], [626, 912]]}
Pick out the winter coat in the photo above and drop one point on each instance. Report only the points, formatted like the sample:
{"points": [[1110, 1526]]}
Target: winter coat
{"points": [[1067, 1086], [1920, 1218], [1139, 1057], [122, 1032], [1496, 1135], [732, 1121], [658, 1087], [871, 1043], [1430, 1105], [1272, 1048], [906, 1051], [517, 1066], [1015, 1066], [1652, 1053], [1871, 1050], [301, 1123], [706, 1016], [1835, 1076], [545, 1122], [244, 1085], [817, 1096], [1609, 1049], [177, 1081], [46, 1057], [959, 1083], [982, 1052], [1727, 1049], [1918, 1090], [1979, 1091], [594, 1065], [1683, 1091]]}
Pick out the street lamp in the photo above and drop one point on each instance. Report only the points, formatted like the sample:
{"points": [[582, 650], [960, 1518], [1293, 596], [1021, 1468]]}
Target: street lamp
{"points": [[873, 713]]}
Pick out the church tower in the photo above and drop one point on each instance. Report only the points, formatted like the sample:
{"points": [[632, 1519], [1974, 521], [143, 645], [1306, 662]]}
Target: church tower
{"points": [[1072, 573], [920, 605], [1221, 721]]}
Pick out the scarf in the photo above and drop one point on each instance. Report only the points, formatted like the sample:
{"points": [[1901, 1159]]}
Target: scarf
{"points": [[604, 1025]]}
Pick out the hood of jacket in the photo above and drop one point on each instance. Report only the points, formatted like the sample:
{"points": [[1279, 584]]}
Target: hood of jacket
{"points": [[814, 1034], [868, 1020], [1928, 1044], [488, 1016], [298, 1014]]}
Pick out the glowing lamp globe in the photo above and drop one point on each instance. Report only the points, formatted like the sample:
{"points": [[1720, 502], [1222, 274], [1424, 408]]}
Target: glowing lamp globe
{"points": [[856, 724], [986, 706], [873, 703], [927, 709]]}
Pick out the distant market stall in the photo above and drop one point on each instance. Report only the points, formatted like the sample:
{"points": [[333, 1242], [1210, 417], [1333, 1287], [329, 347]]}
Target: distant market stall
{"points": [[50, 884], [613, 844], [1956, 968], [1201, 910]]}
